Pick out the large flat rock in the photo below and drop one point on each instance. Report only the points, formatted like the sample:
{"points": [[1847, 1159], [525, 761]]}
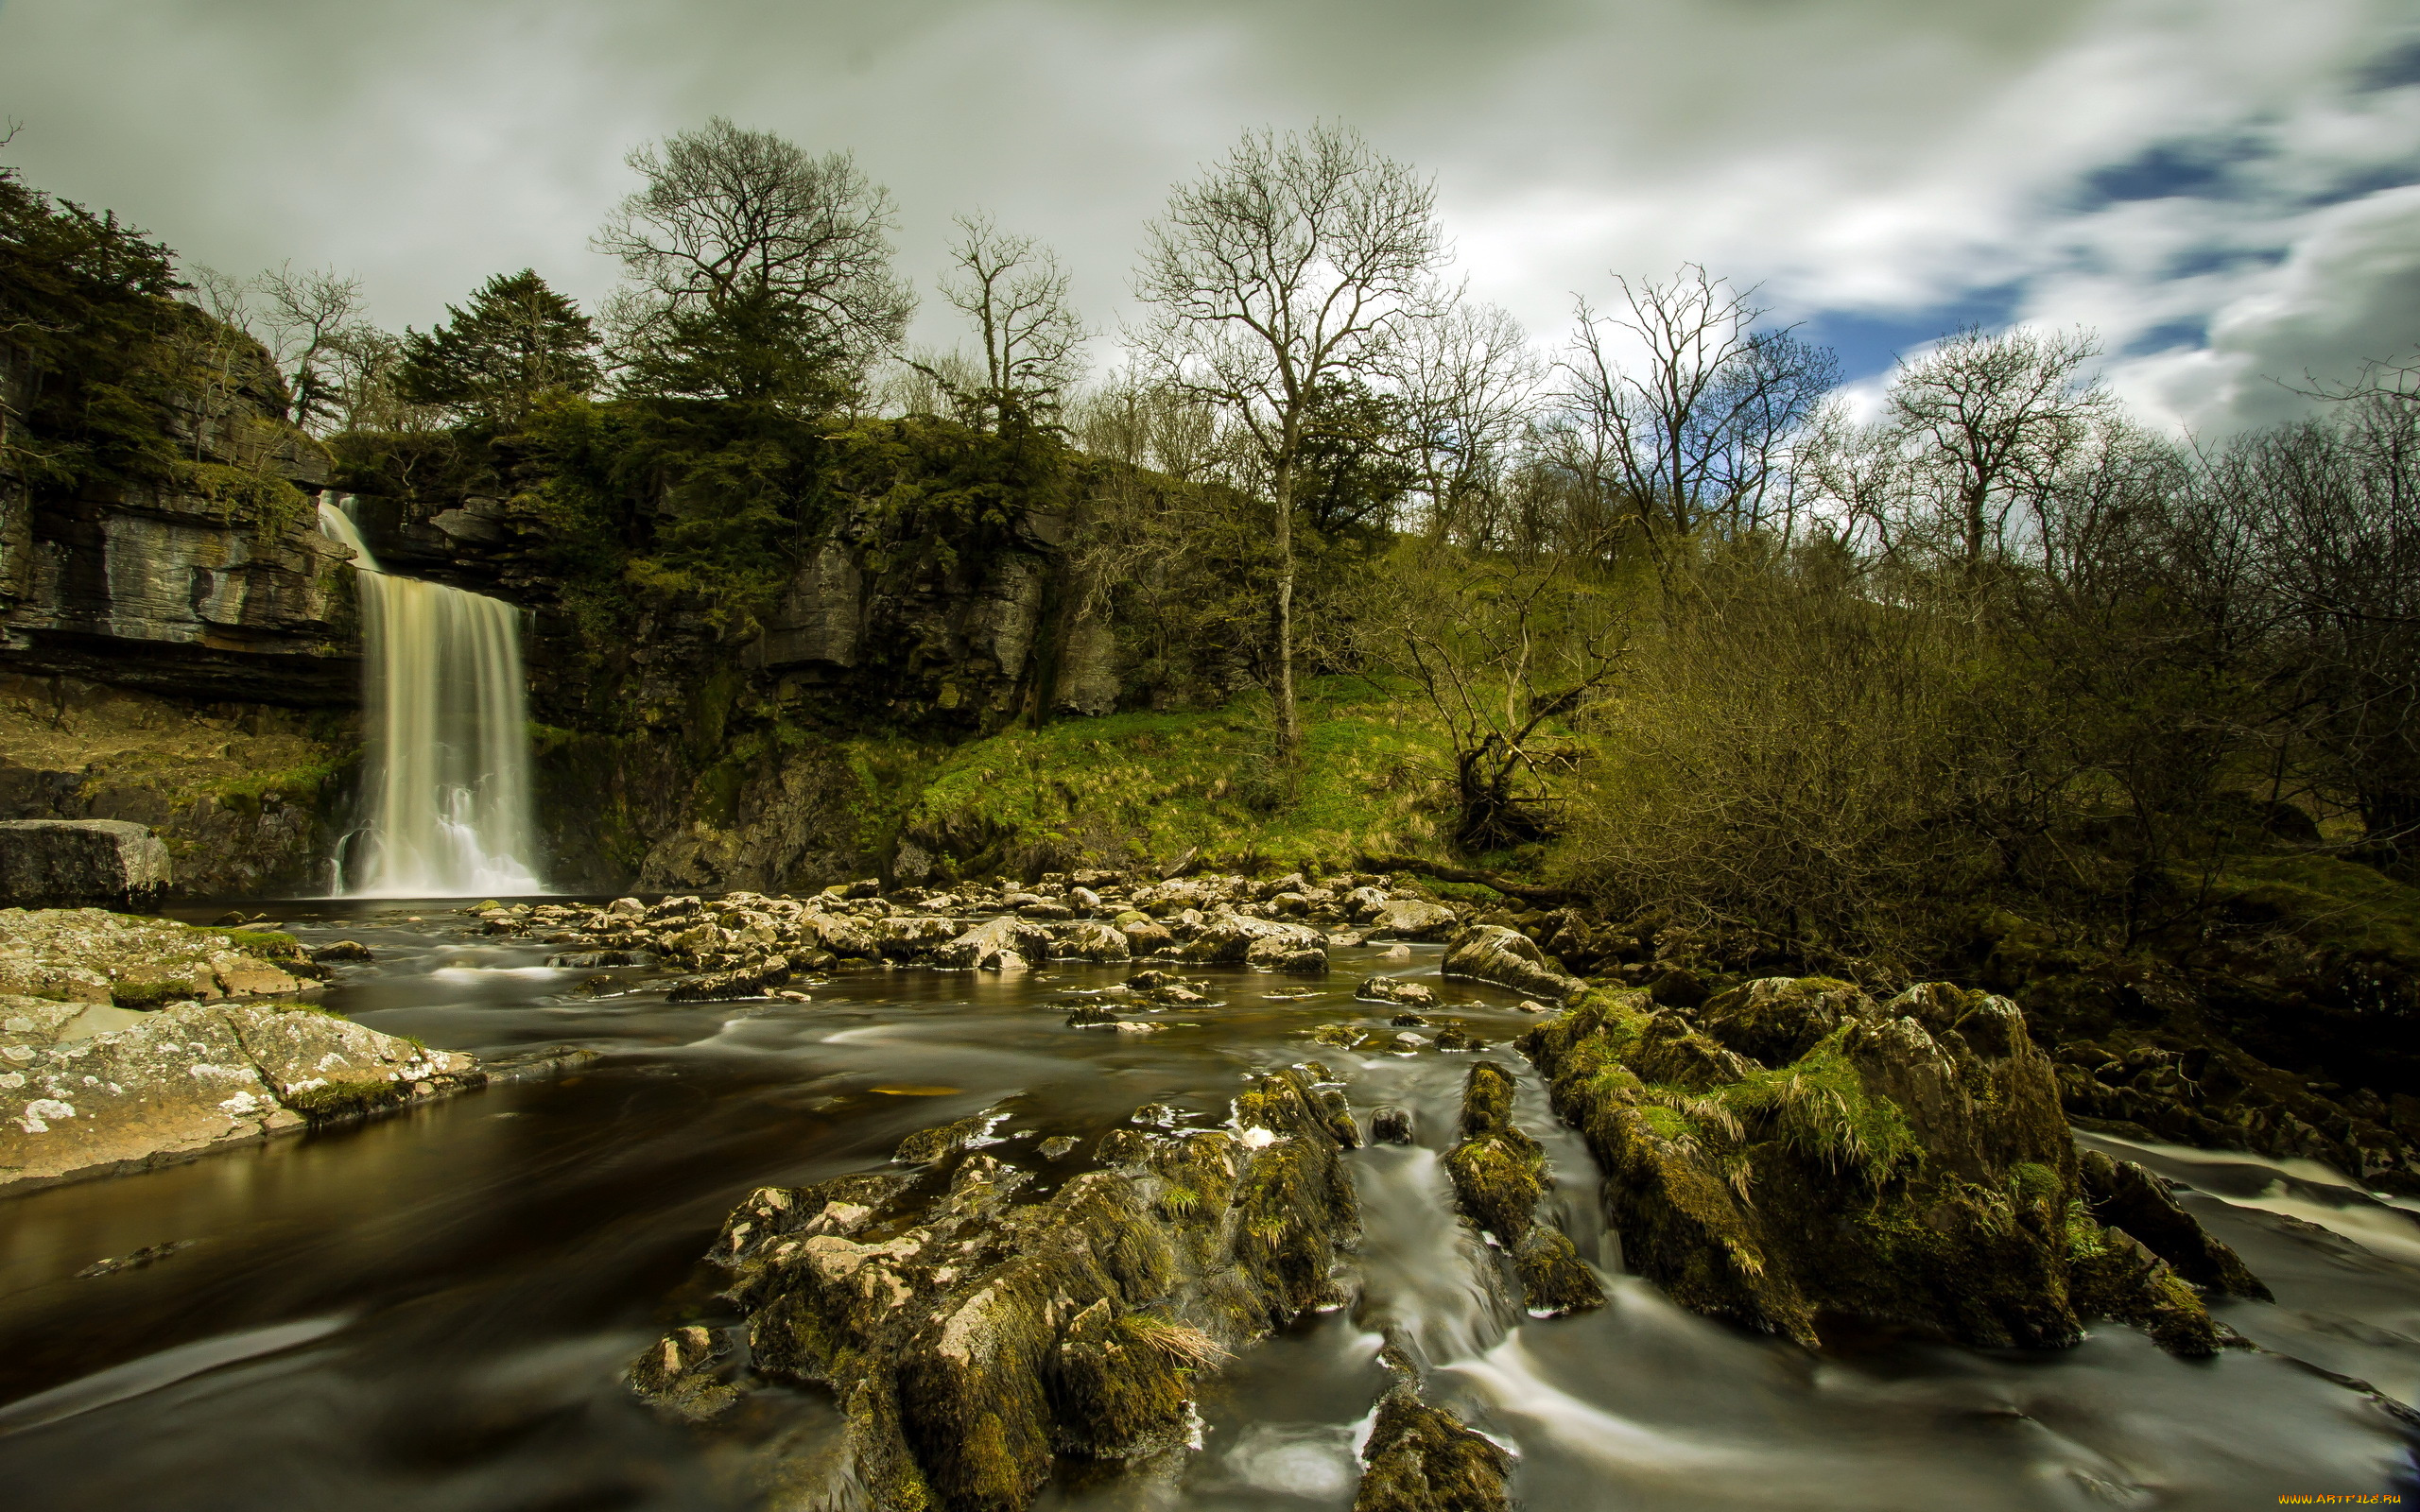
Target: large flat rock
{"points": [[89, 955], [81, 1097]]}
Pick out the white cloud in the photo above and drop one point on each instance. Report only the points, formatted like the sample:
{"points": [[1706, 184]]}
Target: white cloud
{"points": [[1893, 160]]}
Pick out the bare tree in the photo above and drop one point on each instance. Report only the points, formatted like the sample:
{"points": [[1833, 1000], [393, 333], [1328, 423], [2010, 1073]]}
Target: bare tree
{"points": [[1985, 425], [306, 319], [1694, 428], [1016, 294], [731, 220], [1468, 381], [1133, 419], [1293, 265]]}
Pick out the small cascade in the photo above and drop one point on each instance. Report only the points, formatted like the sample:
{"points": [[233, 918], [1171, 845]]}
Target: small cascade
{"points": [[446, 810]]}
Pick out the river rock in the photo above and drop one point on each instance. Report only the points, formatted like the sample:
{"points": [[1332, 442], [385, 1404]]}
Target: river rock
{"points": [[1003, 944], [1092, 940], [1228, 939], [88, 955], [1911, 1166], [1144, 938], [1499, 1176], [1389, 989], [971, 1338], [1421, 1458], [81, 863], [189, 1080], [1413, 919], [1492, 953]]}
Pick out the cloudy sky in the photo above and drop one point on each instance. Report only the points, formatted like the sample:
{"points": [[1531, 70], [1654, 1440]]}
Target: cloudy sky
{"points": [[2228, 191]]}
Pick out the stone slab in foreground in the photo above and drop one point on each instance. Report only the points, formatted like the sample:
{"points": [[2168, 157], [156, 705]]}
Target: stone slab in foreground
{"points": [[80, 1096], [80, 863]]}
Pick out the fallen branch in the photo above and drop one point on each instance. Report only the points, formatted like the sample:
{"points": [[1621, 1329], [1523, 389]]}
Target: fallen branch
{"points": [[1447, 871]]}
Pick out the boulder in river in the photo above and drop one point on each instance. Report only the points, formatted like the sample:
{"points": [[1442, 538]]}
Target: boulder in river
{"points": [[86, 1095], [1499, 1179], [1413, 919], [81, 863], [1228, 939], [972, 1338], [1908, 1164], [1492, 953]]}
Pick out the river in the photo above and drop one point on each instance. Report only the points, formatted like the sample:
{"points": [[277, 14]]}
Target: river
{"points": [[432, 1311]]}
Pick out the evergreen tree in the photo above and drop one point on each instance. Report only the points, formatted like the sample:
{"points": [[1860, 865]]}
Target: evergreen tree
{"points": [[490, 362]]}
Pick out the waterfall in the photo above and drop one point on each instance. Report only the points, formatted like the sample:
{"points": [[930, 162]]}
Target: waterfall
{"points": [[446, 809]]}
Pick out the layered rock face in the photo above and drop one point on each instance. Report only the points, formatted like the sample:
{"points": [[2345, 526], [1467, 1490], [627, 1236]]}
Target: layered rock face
{"points": [[182, 592], [1793, 1150], [77, 863]]}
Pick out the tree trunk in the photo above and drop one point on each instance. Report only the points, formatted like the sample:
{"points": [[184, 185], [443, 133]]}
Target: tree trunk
{"points": [[1289, 732]]}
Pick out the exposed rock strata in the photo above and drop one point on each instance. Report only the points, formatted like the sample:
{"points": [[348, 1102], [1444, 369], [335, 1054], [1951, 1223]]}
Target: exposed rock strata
{"points": [[973, 1338], [1904, 1161]]}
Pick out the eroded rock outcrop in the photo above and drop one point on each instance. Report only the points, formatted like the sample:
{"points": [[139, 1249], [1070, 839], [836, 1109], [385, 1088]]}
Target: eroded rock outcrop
{"points": [[81, 863], [87, 1095], [972, 1338], [1904, 1161]]}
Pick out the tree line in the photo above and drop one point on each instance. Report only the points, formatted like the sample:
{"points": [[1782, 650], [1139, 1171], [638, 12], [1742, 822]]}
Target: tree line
{"points": [[1700, 637]]}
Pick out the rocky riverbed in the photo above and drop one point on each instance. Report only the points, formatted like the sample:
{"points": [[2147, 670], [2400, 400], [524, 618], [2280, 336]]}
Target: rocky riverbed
{"points": [[1180, 1230]]}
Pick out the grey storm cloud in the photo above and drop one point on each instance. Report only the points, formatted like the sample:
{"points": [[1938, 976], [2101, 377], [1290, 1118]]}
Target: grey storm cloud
{"points": [[2222, 188]]}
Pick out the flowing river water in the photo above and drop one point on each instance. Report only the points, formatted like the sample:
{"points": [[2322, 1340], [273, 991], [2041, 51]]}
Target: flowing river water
{"points": [[433, 1311]]}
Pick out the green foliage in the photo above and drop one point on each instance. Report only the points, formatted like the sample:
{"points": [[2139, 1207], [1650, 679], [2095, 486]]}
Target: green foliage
{"points": [[1149, 786], [1819, 1108], [489, 363], [89, 302]]}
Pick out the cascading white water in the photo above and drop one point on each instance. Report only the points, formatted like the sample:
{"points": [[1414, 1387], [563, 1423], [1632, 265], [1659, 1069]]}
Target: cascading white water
{"points": [[447, 810]]}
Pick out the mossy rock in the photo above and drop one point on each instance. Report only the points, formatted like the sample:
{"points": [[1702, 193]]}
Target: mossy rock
{"points": [[339, 1102], [1909, 1164], [974, 1337], [1422, 1458]]}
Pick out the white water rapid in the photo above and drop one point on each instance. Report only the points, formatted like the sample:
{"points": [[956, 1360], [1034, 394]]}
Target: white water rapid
{"points": [[446, 810]]}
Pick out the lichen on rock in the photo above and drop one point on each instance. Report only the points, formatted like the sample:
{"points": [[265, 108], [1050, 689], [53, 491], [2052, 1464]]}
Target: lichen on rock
{"points": [[80, 1099]]}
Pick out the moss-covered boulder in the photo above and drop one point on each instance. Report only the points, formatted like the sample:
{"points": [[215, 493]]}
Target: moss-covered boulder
{"points": [[1422, 1458], [1507, 957], [1905, 1162], [1500, 1177], [973, 1336]]}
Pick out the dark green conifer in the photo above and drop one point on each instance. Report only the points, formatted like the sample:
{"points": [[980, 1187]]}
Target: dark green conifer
{"points": [[517, 339]]}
